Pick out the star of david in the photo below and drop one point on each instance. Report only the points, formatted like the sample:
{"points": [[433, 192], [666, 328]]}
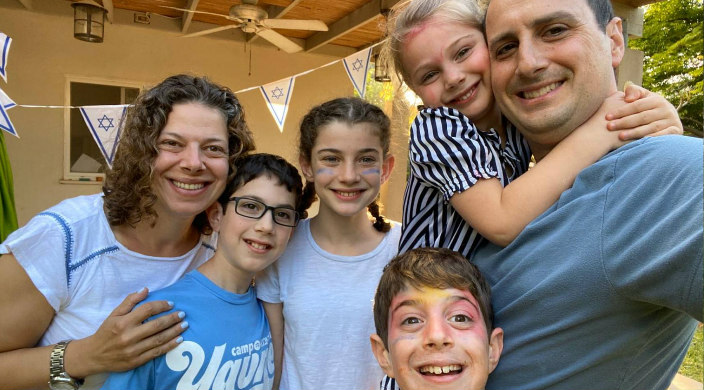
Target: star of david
{"points": [[102, 125], [277, 93], [357, 65]]}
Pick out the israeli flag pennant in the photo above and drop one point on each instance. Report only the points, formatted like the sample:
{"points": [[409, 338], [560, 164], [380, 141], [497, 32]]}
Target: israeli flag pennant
{"points": [[357, 66], [5, 100], [5, 42], [278, 97], [105, 125], [5, 104]]}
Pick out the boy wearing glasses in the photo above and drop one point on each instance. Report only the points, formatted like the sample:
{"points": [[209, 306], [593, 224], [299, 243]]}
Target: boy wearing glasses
{"points": [[228, 344]]}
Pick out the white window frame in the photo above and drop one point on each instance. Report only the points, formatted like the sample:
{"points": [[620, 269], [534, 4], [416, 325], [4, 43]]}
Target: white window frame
{"points": [[85, 178]]}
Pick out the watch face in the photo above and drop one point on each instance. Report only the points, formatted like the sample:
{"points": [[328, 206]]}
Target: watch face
{"points": [[60, 383], [62, 386]]}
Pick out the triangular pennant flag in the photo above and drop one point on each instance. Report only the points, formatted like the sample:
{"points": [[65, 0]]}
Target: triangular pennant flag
{"points": [[5, 104], [105, 125], [356, 66], [5, 100], [5, 42], [278, 97]]}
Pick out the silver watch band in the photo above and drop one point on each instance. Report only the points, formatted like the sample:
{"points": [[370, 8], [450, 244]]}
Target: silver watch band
{"points": [[58, 378]]}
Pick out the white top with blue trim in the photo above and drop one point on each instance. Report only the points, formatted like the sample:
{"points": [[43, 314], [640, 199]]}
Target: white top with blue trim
{"points": [[72, 257]]}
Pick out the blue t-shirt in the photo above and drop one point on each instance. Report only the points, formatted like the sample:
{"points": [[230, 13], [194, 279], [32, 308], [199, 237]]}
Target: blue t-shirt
{"points": [[604, 289], [226, 346]]}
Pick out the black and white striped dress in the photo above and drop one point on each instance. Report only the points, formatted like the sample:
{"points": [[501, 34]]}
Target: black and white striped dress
{"points": [[447, 155]]}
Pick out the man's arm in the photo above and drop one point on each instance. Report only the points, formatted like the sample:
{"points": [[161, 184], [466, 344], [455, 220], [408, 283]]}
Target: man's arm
{"points": [[652, 233]]}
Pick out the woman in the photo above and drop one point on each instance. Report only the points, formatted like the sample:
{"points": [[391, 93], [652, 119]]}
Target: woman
{"points": [[62, 274]]}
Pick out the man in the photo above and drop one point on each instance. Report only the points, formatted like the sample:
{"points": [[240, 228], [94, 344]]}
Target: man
{"points": [[604, 290]]}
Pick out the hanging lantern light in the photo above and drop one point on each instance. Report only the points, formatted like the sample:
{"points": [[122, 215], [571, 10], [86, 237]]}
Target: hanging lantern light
{"points": [[88, 21], [381, 71]]}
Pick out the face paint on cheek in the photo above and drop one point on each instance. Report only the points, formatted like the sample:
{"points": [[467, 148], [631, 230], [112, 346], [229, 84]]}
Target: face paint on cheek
{"points": [[430, 98], [324, 171], [402, 338], [371, 171]]}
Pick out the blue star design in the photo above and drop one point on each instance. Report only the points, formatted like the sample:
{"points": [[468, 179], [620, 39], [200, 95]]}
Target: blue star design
{"points": [[357, 65], [102, 125], [277, 93]]}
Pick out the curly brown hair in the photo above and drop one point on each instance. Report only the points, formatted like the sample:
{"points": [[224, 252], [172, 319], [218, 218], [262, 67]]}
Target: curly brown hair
{"points": [[350, 110], [128, 195]]}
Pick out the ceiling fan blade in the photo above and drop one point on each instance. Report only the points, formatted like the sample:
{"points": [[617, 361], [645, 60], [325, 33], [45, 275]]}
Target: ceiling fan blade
{"points": [[279, 40], [210, 31], [295, 24], [195, 12]]}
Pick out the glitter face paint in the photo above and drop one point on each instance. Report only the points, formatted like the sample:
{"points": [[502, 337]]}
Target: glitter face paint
{"points": [[438, 340]]}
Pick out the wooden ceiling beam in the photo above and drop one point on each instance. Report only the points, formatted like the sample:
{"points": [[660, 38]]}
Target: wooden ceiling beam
{"points": [[187, 17], [26, 4], [350, 22]]}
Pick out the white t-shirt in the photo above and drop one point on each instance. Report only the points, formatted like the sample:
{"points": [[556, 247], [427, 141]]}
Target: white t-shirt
{"points": [[327, 312], [72, 257]]}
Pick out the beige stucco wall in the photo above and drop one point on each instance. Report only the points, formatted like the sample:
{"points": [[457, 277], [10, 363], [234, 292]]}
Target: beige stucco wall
{"points": [[631, 68], [44, 51]]}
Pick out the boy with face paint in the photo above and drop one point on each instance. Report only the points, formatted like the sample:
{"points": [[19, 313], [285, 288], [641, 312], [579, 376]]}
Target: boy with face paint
{"points": [[434, 322]]}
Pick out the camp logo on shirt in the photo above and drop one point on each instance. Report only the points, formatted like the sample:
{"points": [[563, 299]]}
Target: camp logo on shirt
{"points": [[251, 366]]}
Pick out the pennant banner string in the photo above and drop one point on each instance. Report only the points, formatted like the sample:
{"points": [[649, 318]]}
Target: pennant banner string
{"points": [[239, 91], [36, 106], [309, 70]]}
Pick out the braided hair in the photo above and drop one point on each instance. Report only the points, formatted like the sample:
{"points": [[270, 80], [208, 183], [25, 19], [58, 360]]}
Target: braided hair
{"points": [[350, 110]]}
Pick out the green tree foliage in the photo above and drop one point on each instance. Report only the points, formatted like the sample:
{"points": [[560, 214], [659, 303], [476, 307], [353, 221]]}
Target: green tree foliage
{"points": [[672, 43], [377, 93]]}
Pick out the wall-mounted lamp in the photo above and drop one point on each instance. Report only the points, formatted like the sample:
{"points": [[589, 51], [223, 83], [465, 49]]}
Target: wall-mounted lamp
{"points": [[88, 21], [381, 70]]}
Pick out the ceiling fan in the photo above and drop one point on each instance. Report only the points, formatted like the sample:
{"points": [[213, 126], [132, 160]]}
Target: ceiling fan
{"points": [[253, 19]]}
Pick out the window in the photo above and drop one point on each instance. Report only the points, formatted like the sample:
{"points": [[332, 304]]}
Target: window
{"points": [[83, 160]]}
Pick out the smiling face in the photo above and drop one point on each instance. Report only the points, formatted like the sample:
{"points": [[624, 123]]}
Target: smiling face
{"points": [[551, 65], [447, 64], [249, 245], [347, 167], [190, 170], [437, 339]]}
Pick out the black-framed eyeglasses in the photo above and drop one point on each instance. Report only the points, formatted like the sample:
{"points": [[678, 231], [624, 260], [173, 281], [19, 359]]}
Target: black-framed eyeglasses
{"points": [[252, 208]]}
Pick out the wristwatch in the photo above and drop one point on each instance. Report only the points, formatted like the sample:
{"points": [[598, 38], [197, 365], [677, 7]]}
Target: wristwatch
{"points": [[58, 378]]}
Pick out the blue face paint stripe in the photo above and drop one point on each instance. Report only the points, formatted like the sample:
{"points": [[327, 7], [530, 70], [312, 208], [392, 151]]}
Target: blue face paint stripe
{"points": [[372, 171], [324, 171]]}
